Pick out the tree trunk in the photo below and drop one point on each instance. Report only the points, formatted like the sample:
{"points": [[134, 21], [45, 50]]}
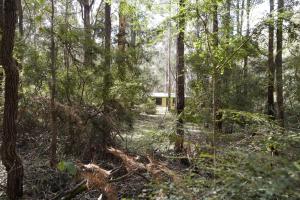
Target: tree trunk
{"points": [[107, 77], [169, 89], [242, 16], [271, 68], [238, 24], [278, 62], [53, 157], [180, 78], [225, 79], [216, 82], [245, 67], [122, 41], [10, 158], [20, 17], [1, 31], [88, 57]]}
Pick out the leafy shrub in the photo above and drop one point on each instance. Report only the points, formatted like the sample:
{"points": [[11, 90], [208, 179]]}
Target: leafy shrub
{"points": [[149, 107]]}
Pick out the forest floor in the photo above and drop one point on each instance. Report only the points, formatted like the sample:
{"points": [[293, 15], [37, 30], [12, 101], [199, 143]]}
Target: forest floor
{"points": [[150, 135]]}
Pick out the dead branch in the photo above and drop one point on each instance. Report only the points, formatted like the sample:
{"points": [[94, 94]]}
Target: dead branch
{"points": [[69, 194]]}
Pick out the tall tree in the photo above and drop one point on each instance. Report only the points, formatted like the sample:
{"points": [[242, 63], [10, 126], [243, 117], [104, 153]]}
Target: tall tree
{"points": [[238, 22], [122, 40], [20, 17], [217, 113], [245, 67], [107, 61], [278, 62], [10, 158], [1, 31], [53, 158], [169, 89], [180, 77], [86, 6], [271, 67]]}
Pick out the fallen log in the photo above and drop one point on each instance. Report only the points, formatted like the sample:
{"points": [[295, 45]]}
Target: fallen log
{"points": [[158, 170], [130, 162]]}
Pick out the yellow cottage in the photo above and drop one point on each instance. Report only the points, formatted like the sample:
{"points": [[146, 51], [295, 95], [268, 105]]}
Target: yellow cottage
{"points": [[161, 99]]}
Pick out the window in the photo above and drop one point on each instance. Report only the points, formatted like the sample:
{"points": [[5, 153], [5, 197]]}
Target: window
{"points": [[158, 101]]}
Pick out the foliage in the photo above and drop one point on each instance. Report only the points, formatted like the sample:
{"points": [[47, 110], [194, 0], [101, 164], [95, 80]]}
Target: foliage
{"points": [[68, 167], [149, 107]]}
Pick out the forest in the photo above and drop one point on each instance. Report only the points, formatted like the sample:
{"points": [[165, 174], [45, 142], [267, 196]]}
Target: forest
{"points": [[150, 99]]}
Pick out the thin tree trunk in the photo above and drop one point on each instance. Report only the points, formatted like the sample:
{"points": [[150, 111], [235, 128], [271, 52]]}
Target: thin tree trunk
{"points": [[180, 78], [242, 17], [53, 157], [169, 59], [67, 56], [10, 158], [70, 130], [225, 78], [1, 29], [271, 68], [20, 18], [278, 62], [245, 67], [122, 41], [238, 25], [107, 76], [88, 60], [216, 82]]}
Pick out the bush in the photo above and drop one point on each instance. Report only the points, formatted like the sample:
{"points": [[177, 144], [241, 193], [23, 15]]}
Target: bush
{"points": [[149, 107]]}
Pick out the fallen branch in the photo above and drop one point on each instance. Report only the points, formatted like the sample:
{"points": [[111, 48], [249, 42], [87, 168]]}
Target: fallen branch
{"points": [[97, 178], [157, 170], [69, 194]]}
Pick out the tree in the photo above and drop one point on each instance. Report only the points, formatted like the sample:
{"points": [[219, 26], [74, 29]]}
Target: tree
{"points": [[278, 63], [216, 77], [53, 158], [107, 60], [86, 6], [271, 68], [180, 77], [245, 68], [10, 158], [1, 29], [122, 40]]}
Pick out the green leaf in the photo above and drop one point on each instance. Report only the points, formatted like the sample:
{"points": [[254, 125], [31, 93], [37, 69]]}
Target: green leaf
{"points": [[68, 167]]}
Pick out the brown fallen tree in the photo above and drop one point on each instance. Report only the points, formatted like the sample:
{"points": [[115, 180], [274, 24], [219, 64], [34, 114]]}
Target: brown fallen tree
{"points": [[159, 171]]}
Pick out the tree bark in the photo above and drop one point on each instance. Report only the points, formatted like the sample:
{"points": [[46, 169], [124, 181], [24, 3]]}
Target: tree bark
{"points": [[1, 31], [271, 67], [216, 82], [245, 67], [88, 54], [53, 149], [10, 158], [107, 77], [238, 23], [122, 41], [169, 70], [278, 62], [180, 82], [242, 17], [20, 17]]}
